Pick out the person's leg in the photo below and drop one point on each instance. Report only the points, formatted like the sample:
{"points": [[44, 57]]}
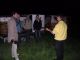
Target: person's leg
{"points": [[19, 39], [36, 34], [26, 35], [29, 35], [12, 51], [17, 58], [39, 34], [16, 54], [59, 50]]}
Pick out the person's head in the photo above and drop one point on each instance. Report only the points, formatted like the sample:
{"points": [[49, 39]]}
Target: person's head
{"points": [[59, 18], [16, 15], [37, 17]]}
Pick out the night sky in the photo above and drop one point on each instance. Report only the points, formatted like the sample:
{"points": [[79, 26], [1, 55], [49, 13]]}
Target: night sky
{"points": [[67, 8]]}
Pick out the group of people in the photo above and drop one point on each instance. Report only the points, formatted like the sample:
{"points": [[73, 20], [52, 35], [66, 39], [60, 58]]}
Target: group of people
{"points": [[15, 27]]}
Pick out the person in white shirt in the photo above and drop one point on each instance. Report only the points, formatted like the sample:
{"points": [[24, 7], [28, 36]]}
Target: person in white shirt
{"points": [[14, 50]]}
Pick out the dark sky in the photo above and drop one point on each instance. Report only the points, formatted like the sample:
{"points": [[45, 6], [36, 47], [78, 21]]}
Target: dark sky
{"points": [[35, 6], [65, 7], [38, 6]]}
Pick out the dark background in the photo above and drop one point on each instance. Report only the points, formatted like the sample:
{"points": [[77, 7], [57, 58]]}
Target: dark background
{"points": [[66, 8]]}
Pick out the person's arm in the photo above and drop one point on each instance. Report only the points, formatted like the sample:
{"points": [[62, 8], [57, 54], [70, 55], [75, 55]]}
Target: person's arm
{"points": [[49, 31], [34, 25], [41, 24]]}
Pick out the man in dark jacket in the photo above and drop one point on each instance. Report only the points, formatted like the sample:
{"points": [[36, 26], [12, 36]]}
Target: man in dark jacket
{"points": [[37, 27]]}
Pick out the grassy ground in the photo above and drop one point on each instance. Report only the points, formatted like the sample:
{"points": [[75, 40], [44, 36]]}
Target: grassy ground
{"points": [[43, 50]]}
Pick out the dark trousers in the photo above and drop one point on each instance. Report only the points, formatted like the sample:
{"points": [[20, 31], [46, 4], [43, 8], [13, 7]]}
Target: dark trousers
{"points": [[37, 34], [28, 33], [59, 46], [19, 39]]}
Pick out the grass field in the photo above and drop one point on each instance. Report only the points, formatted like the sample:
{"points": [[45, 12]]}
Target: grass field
{"points": [[42, 50]]}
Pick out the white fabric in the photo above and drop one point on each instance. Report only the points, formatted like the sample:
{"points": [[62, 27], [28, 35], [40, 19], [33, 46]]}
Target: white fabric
{"points": [[14, 51]]}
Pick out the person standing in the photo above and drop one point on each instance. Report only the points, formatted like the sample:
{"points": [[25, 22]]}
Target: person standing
{"points": [[60, 32], [14, 29], [37, 27], [27, 28]]}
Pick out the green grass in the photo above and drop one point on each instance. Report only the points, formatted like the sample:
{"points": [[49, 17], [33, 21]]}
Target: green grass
{"points": [[43, 50]]}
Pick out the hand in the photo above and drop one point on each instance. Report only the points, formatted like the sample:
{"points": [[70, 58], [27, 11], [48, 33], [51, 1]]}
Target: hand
{"points": [[47, 29]]}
